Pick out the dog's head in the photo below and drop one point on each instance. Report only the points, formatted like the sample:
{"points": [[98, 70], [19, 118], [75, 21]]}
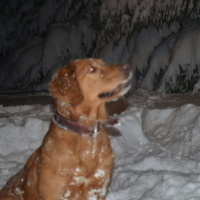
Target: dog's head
{"points": [[90, 82]]}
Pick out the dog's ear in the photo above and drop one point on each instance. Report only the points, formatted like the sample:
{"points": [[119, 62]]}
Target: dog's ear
{"points": [[64, 85]]}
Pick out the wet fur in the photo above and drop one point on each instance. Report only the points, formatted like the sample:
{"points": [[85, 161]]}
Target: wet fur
{"points": [[69, 165]]}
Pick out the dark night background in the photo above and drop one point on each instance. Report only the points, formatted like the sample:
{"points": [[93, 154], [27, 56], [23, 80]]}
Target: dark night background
{"points": [[159, 39]]}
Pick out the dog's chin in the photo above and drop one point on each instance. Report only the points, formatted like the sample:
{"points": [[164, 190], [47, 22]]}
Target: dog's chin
{"points": [[120, 90]]}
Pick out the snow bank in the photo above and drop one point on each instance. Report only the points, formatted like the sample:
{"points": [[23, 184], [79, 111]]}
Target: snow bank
{"points": [[157, 155], [21, 131]]}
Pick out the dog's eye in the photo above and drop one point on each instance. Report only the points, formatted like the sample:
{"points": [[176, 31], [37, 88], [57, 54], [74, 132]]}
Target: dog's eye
{"points": [[92, 69]]}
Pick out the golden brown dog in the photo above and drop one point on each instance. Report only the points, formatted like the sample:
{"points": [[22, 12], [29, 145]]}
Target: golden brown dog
{"points": [[75, 160]]}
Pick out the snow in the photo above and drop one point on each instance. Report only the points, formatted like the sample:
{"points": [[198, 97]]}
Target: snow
{"points": [[159, 61], [185, 54], [99, 174], [157, 155], [155, 37]]}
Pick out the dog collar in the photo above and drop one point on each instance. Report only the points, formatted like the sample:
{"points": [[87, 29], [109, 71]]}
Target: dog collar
{"points": [[73, 126]]}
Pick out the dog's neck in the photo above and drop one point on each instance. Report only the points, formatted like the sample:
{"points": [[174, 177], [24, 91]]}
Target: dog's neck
{"points": [[85, 114], [73, 126]]}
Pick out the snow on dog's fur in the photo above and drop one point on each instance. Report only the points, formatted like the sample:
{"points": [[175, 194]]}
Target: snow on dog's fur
{"points": [[75, 160]]}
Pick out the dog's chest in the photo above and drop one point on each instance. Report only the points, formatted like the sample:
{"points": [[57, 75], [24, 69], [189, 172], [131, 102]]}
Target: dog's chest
{"points": [[78, 153], [76, 164]]}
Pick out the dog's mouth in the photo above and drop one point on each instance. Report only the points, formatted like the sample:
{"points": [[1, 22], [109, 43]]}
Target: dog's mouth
{"points": [[121, 87]]}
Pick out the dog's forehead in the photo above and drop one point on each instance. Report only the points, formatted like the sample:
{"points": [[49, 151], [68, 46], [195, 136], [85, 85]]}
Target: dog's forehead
{"points": [[96, 61], [89, 62]]}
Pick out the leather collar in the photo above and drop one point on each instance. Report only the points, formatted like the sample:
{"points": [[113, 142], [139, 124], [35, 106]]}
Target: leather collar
{"points": [[73, 126]]}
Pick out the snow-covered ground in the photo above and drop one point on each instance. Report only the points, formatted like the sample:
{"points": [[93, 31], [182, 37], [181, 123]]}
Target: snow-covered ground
{"points": [[157, 154]]}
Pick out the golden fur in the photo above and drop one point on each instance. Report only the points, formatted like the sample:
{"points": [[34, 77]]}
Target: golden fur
{"points": [[69, 165]]}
